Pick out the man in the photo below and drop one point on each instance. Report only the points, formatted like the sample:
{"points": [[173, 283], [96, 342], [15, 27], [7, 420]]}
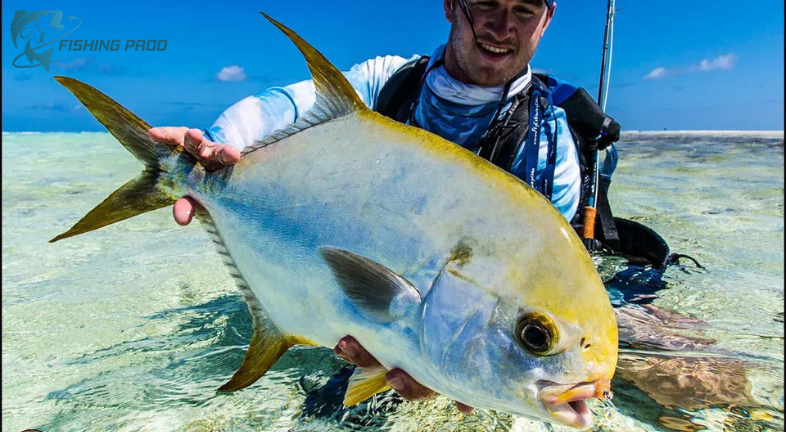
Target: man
{"points": [[468, 86]]}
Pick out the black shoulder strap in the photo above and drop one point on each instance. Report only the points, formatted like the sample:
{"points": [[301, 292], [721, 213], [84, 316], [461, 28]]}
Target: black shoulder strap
{"points": [[504, 140], [401, 89], [608, 228], [505, 137]]}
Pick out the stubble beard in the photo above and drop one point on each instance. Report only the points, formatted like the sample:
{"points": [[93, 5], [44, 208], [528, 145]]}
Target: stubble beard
{"points": [[473, 74]]}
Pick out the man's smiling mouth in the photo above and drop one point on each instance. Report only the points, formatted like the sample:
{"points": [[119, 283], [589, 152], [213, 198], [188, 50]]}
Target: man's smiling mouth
{"points": [[495, 50], [495, 54]]}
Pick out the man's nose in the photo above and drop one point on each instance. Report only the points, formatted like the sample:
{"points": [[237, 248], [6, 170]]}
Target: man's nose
{"points": [[501, 24]]}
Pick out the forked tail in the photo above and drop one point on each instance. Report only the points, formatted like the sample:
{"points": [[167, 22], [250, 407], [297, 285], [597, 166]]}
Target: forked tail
{"points": [[141, 194]]}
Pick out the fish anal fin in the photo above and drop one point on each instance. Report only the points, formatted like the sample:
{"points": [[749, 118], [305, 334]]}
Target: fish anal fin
{"points": [[263, 352], [266, 347], [364, 383]]}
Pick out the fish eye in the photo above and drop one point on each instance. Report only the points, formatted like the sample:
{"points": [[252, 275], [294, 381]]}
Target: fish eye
{"points": [[537, 333]]}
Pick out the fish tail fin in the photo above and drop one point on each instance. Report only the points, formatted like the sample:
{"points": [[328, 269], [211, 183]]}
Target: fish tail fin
{"points": [[141, 194]]}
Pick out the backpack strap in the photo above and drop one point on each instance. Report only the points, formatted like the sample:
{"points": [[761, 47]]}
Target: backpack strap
{"points": [[503, 141], [509, 136], [608, 227], [399, 92]]}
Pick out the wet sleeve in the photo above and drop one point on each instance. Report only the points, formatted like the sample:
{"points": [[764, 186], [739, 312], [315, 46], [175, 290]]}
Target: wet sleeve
{"points": [[255, 117], [567, 174]]}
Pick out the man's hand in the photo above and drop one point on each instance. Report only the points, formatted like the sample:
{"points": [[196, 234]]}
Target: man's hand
{"points": [[213, 156], [350, 350]]}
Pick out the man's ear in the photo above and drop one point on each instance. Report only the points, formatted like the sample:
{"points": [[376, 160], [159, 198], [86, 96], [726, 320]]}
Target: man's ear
{"points": [[448, 5], [549, 16]]}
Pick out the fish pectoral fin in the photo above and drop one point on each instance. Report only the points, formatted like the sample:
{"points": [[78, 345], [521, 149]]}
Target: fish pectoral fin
{"points": [[364, 383], [375, 290]]}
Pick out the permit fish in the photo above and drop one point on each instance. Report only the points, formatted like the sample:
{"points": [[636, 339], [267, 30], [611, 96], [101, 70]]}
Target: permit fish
{"points": [[434, 259]]}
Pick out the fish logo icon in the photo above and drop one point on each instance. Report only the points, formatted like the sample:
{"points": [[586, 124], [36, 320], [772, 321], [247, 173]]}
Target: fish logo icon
{"points": [[37, 28]]}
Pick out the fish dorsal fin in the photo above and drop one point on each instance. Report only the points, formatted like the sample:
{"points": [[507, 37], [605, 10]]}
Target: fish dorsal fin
{"points": [[335, 96], [268, 343], [364, 383], [375, 290]]}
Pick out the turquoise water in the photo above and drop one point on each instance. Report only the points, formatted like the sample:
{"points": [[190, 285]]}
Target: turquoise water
{"points": [[133, 327]]}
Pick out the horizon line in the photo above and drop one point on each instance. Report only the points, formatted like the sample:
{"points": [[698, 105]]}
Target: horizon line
{"points": [[757, 131]]}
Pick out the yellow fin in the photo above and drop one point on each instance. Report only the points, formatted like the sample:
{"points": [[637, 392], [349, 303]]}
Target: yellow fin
{"points": [[141, 194], [335, 95], [136, 197], [364, 383], [267, 345], [127, 128]]}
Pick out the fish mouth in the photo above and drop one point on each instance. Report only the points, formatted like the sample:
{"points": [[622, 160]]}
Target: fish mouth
{"points": [[567, 403]]}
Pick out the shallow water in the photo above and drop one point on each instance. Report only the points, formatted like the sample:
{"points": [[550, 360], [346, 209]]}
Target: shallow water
{"points": [[133, 327]]}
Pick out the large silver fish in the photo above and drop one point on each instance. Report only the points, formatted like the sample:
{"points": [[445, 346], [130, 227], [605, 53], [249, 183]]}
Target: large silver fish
{"points": [[435, 260]]}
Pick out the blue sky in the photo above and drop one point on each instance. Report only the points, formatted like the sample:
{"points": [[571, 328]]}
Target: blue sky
{"points": [[699, 65]]}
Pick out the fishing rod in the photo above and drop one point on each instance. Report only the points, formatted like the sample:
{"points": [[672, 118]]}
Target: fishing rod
{"points": [[590, 211]]}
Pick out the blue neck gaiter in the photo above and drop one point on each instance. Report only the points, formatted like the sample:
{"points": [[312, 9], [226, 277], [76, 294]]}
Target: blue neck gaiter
{"points": [[456, 111]]}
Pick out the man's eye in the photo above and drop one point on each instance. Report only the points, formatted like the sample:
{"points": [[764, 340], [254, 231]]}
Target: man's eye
{"points": [[524, 12], [485, 5]]}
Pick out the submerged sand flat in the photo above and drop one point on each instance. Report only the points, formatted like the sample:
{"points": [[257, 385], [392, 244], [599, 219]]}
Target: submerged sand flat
{"points": [[134, 326]]}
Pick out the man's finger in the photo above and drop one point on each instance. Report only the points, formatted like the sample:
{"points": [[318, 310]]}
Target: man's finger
{"points": [[193, 142], [184, 211], [168, 135], [406, 386], [212, 156], [350, 350], [227, 155]]}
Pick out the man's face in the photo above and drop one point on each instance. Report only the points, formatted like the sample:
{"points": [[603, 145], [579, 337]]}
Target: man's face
{"points": [[508, 33]]}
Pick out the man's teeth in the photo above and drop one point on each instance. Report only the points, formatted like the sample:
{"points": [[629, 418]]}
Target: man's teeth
{"points": [[494, 49]]}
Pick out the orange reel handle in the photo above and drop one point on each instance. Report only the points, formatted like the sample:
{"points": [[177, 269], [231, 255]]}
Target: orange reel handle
{"points": [[589, 222]]}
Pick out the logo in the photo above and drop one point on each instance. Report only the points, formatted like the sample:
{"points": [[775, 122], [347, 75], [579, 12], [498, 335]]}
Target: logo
{"points": [[38, 28], [42, 28]]}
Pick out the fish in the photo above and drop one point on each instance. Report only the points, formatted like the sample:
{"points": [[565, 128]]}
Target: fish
{"points": [[435, 260]]}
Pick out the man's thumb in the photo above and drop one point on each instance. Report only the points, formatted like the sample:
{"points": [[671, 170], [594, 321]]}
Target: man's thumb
{"points": [[183, 211]]}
